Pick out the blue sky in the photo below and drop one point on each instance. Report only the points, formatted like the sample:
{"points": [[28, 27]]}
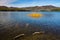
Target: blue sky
{"points": [[27, 3]]}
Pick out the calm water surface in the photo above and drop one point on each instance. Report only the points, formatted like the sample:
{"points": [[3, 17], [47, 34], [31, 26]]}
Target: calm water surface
{"points": [[49, 20]]}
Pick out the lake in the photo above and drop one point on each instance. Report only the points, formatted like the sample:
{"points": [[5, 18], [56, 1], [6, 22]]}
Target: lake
{"points": [[15, 21]]}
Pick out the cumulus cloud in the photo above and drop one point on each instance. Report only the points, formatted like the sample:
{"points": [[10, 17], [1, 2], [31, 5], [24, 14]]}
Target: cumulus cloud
{"points": [[6, 2]]}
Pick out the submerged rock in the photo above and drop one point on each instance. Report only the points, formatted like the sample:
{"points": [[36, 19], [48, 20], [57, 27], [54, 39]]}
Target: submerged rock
{"points": [[38, 32], [18, 36]]}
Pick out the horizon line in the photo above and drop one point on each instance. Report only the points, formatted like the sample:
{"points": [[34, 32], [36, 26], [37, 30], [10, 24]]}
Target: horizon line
{"points": [[29, 6]]}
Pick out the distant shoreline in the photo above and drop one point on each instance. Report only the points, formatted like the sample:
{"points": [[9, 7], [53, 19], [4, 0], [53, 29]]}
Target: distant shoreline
{"points": [[29, 11], [36, 8]]}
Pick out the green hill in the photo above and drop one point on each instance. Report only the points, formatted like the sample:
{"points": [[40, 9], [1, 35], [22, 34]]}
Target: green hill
{"points": [[35, 8]]}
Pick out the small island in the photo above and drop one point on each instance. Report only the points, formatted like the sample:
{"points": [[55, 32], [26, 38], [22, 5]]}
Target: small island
{"points": [[35, 15]]}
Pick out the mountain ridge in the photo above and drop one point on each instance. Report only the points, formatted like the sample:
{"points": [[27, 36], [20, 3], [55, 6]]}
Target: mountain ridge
{"points": [[35, 8]]}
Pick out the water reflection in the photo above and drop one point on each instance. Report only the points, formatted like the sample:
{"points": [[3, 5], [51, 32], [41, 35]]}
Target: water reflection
{"points": [[5, 17]]}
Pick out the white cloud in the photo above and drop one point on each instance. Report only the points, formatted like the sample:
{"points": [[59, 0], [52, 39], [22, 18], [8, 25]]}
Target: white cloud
{"points": [[6, 2], [32, 3]]}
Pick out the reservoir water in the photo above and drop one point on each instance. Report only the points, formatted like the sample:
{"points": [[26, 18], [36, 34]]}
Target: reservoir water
{"points": [[14, 22]]}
